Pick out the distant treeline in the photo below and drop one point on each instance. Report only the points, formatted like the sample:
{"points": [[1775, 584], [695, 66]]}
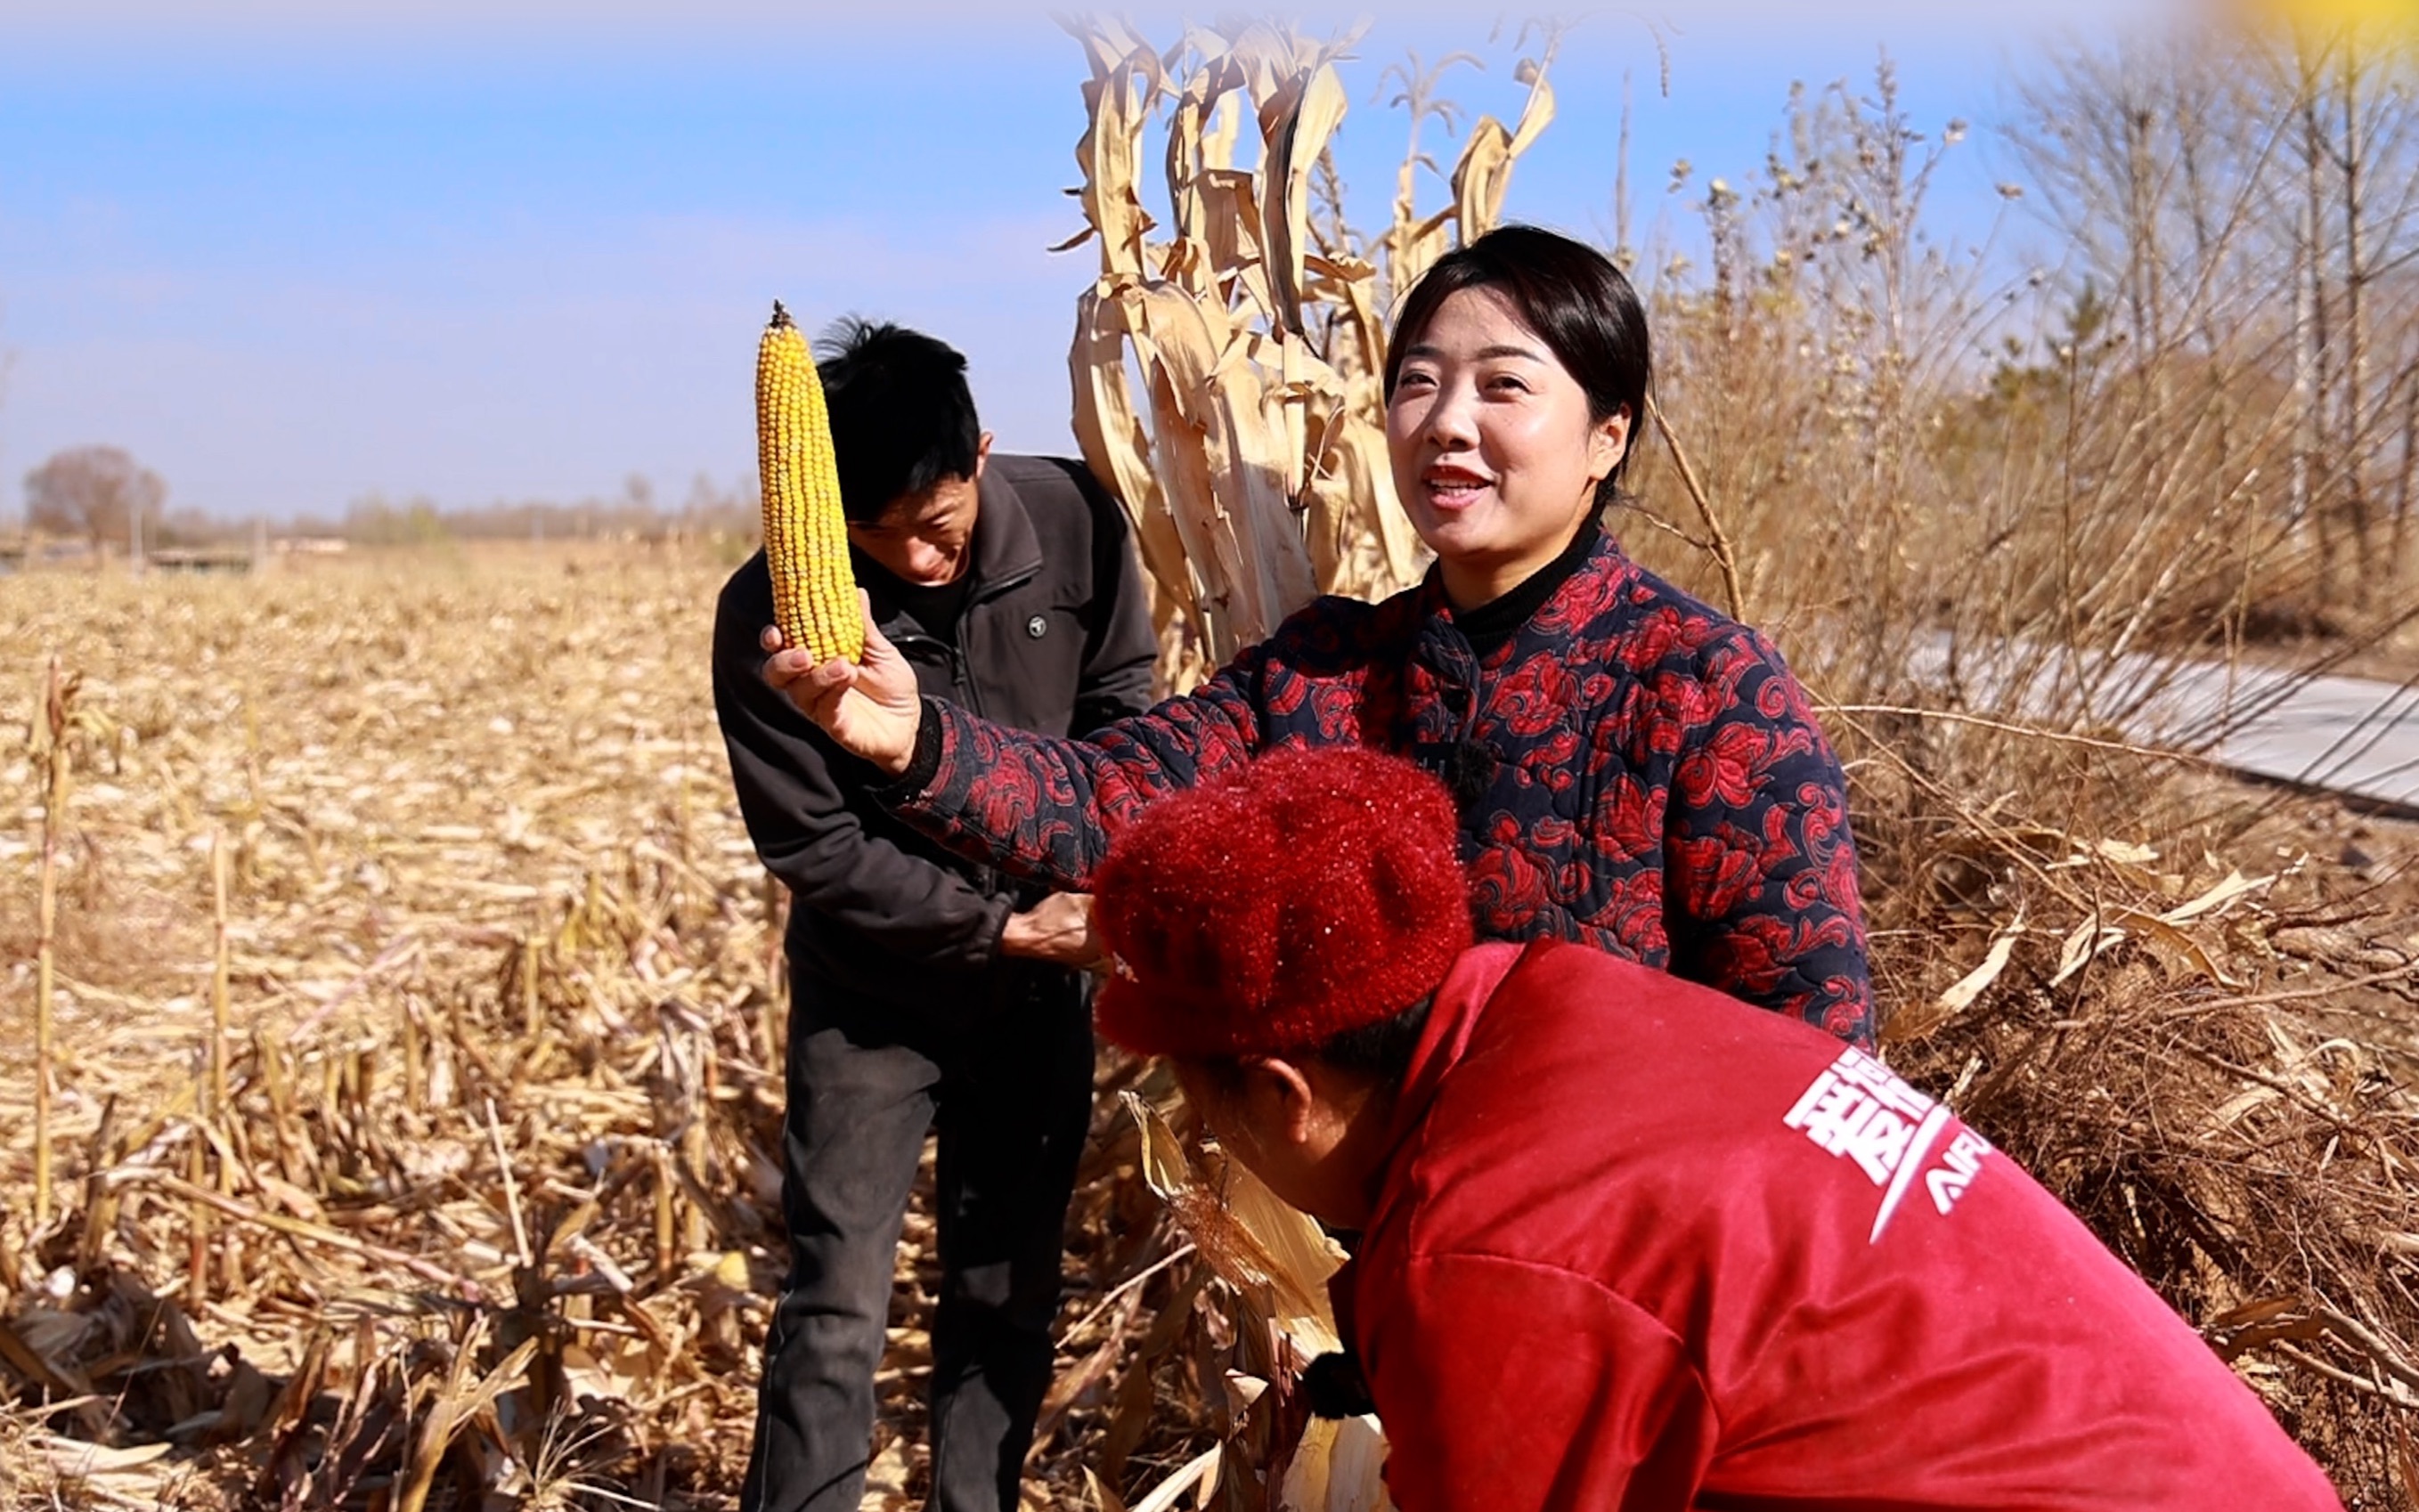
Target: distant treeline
{"points": [[377, 520]]}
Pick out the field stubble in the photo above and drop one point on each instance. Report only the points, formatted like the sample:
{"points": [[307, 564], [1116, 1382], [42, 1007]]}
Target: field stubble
{"points": [[488, 1212]]}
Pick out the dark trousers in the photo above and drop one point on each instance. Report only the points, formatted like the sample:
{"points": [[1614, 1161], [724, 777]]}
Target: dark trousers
{"points": [[1010, 1091]]}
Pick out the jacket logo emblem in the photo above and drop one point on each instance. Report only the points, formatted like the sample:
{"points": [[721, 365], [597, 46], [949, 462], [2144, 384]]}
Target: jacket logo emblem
{"points": [[1037, 628], [1860, 1109]]}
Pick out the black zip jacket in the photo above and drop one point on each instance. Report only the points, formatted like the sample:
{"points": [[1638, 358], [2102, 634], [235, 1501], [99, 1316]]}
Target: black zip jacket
{"points": [[1055, 636]]}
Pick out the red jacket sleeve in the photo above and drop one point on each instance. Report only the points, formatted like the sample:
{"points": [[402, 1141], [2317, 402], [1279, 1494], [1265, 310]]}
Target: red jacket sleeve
{"points": [[1045, 809], [1762, 901], [1506, 1386]]}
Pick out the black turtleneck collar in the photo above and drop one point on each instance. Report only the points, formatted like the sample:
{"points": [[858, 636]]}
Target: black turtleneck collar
{"points": [[1494, 622]]}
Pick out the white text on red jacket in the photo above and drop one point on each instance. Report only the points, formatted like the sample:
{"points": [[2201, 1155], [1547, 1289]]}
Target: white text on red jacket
{"points": [[1860, 1111]]}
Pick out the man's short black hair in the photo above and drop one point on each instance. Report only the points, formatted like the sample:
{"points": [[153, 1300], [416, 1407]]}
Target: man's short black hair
{"points": [[902, 416]]}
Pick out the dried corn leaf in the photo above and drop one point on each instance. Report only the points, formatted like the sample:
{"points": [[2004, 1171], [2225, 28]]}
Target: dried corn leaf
{"points": [[2232, 888], [1104, 1497], [1915, 1023], [137, 1475], [1484, 173], [2086, 944], [1250, 459], [624, 1368], [1168, 1492], [1118, 448], [1235, 246], [1962, 994], [1297, 123], [1362, 542], [1118, 101], [1217, 464], [1193, 261], [1339, 1466], [1253, 1242], [2177, 951], [1109, 44]]}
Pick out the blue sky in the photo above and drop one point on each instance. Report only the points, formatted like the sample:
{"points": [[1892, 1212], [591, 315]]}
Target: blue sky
{"points": [[523, 253]]}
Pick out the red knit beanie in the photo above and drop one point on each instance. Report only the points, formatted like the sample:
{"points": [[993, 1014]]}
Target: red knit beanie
{"points": [[1315, 892]]}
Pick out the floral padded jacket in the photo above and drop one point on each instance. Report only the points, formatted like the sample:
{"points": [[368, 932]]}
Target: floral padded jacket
{"points": [[1635, 772]]}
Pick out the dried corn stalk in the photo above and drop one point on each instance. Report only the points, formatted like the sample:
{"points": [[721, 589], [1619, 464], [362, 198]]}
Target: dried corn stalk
{"points": [[1277, 1262], [1228, 387], [1227, 379]]}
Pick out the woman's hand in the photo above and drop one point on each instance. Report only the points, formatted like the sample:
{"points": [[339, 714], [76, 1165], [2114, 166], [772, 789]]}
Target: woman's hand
{"points": [[1058, 929], [871, 708]]}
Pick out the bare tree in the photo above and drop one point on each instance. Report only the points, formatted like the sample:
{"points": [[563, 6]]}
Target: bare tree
{"points": [[2251, 201], [98, 492]]}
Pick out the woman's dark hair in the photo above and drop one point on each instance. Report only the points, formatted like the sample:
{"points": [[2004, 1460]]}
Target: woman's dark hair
{"points": [[1572, 296], [901, 417], [1381, 1050]]}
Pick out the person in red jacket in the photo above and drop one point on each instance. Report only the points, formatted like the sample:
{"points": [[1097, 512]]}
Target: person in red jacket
{"points": [[1627, 1242]]}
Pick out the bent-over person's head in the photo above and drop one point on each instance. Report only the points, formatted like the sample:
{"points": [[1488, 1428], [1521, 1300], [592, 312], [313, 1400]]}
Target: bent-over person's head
{"points": [[1278, 936], [907, 445]]}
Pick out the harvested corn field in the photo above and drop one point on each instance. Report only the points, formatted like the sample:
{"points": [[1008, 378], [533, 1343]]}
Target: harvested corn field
{"points": [[403, 1001], [484, 898], [482, 1199], [484, 1213]]}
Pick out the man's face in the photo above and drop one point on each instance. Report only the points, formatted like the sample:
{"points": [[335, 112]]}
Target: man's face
{"points": [[927, 538]]}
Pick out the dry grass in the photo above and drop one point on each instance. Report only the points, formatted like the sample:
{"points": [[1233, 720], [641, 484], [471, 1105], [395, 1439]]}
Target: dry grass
{"points": [[2191, 1009]]}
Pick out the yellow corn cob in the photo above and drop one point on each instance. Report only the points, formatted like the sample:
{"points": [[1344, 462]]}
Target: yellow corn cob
{"points": [[806, 536]]}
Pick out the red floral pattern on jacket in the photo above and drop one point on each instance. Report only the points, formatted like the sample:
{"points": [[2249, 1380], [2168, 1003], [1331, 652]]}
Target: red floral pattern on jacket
{"points": [[1658, 786]]}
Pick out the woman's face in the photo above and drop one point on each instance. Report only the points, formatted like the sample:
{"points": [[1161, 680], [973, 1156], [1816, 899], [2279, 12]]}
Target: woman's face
{"points": [[1494, 458]]}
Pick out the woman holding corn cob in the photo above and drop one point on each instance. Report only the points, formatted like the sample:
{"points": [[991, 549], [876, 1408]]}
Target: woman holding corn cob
{"points": [[1633, 770]]}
